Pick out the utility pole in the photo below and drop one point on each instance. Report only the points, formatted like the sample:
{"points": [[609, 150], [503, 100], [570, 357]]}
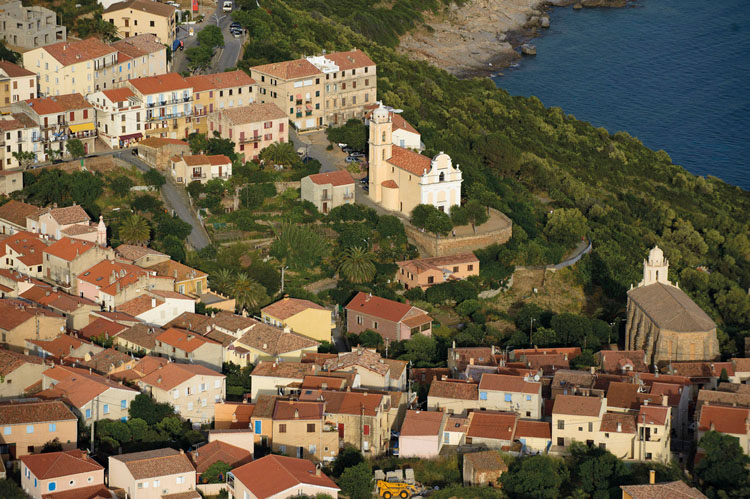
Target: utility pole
{"points": [[93, 424], [283, 268], [362, 427], [531, 329]]}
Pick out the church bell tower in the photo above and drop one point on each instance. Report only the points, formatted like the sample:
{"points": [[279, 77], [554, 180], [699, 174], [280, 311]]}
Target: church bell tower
{"points": [[381, 144]]}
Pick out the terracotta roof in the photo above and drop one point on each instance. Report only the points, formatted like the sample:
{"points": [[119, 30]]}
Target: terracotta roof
{"points": [[670, 308], [505, 383], [290, 409], [57, 300], [155, 463], [139, 45], [139, 305], [141, 335], [13, 313], [623, 395], [16, 212], [27, 246], [69, 249], [236, 412], [671, 390], [741, 365], [118, 94], [610, 421], [533, 429], [169, 82], [623, 360], [422, 423], [202, 159], [417, 320], [35, 412], [161, 142], [271, 475], [577, 406], [253, 113], [203, 457], [454, 390], [399, 123], [74, 52], [568, 378], [77, 230], [111, 276], [653, 414], [133, 252], [99, 327], [287, 70], [14, 70], [361, 357], [389, 184], [323, 382], [60, 464], [495, 425], [90, 492], [59, 347], [107, 360], [157, 9], [59, 104], [79, 386], [217, 81], [379, 307], [288, 307], [264, 406], [149, 364], [202, 324], [397, 367], [734, 420], [350, 59], [186, 341], [352, 402], [571, 352], [190, 494], [273, 341], [10, 361], [489, 460], [438, 262], [409, 161], [339, 177], [701, 369], [173, 374], [668, 490], [292, 370]]}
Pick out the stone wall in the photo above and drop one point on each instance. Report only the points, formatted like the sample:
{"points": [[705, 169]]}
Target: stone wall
{"points": [[282, 186], [432, 245]]}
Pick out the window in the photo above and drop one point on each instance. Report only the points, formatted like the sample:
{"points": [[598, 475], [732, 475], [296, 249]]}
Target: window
{"points": [[561, 425], [310, 427], [180, 480], [190, 406], [106, 408], [367, 429], [528, 398], [257, 427], [446, 437], [430, 279], [123, 404], [470, 267], [140, 485], [151, 23], [602, 446], [375, 324], [203, 387], [52, 427], [30, 428], [359, 319], [311, 449], [156, 483], [482, 395], [648, 455], [282, 428], [217, 383], [528, 414], [52, 486], [6, 430], [561, 441], [591, 426], [282, 449]]}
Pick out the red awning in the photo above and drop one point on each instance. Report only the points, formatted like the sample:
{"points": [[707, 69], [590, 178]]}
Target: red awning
{"points": [[131, 136], [299, 96], [308, 107]]}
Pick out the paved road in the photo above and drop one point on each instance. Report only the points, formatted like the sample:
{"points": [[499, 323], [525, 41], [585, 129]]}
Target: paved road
{"points": [[316, 143], [228, 56], [175, 198]]}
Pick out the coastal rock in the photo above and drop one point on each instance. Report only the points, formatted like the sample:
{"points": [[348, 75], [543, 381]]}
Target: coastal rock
{"points": [[577, 6], [603, 3], [544, 22], [528, 49]]}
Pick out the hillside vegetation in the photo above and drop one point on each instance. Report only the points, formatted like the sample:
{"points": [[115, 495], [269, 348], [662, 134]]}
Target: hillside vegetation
{"points": [[527, 160]]}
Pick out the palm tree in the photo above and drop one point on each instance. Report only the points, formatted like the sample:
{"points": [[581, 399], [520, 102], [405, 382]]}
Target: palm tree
{"points": [[221, 280], [280, 153], [248, 293], [357, 265], [135, 230]]}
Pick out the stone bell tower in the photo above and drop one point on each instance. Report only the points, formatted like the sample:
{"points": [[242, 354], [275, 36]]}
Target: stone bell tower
{"points": [[655, 269], [381, 144]]}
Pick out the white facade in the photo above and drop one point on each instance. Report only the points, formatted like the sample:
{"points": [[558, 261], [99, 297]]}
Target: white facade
{"points": [[118, 122], [18, 137], [166, 311]]}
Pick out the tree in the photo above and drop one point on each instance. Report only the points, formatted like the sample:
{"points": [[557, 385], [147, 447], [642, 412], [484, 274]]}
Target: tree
{"points": [[145, 408], [722, 471], [121, 185], [24, 158], [279, 153], [87, 27], [534, 477], [391, 227], [370, 339], [571, 329], [247, 292], [75, 148], [566, 226], [52, 446], [544, 337], [421, 348], [357, 265], [221, 280], [459, 216], [172, 225], [356, 481], [584, 360], [211, 36], [420, 214], [174, 247], [476, 214], [8, 55], [300, 246], [353, 134], [138, 427], [597, 471], [53, 154], [348, 457], [153, 178], [135, 230], [439, 223], [216, 473]]}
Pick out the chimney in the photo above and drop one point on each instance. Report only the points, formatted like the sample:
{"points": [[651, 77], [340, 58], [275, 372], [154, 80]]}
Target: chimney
{"points": [[664, 400], [645, 402], [296, 413], [593, 369], [317, 470], [471, 361], [652, 477], [182, 451], [153, 302], [619, 427]]}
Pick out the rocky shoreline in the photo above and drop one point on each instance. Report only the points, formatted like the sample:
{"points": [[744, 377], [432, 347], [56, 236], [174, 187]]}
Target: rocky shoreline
{"points": [[481, 37]]}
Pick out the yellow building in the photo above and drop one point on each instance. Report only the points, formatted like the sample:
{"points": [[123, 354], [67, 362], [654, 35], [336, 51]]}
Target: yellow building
{"points": [[16, 84], [351, 83], [214, 92], [301, 316], [187, 280], [168, 105], [265, 342], [135, 17]]}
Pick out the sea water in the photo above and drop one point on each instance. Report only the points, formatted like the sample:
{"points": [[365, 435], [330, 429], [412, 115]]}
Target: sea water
{"points": [[674, 73]]}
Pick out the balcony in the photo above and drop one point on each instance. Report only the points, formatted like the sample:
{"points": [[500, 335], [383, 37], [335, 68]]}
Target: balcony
{"points": [[349, 195], [216, 175], [326, 197], [245, 140], [197, 177], [299, 115]]}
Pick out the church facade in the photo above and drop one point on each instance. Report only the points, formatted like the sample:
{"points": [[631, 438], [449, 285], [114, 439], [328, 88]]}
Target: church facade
{"points": [[664, 322], [401, 179]]}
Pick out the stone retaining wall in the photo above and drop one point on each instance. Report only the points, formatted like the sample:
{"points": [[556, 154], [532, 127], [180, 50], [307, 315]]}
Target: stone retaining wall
{"points": [[282, 186]]}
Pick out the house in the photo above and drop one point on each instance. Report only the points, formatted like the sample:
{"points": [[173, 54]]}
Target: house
{"points": [[573, 382], [141, 55], [233, 415], [422, 434], [702, 373], [490, 429], [224, 322], [261, 421], [112, 283], [156, 308], [734, 421], [139, 338], [453, 396], [252, 127], [300, 430], [577, 418], [66, 259], [206, 455], [118, 116], [136, 17], [273, 378], [191, 389], [109, 361], [20, 321], [462, 357], [75, 309], [72, 222], [18, 133], [13, 216], [401, 179], [187, 347], [29, 27], [392, 320], [61, 118], [511, 393], [157, 151], [143, 256], [404, 134], [168, 100], [16, 84], [301, 316], [145, 366], [672, 490], [741, 367], [22, 252], [328, 190], [27, 426], [93, 397], [218, 91], [244, 438], [56, 473], [277, 477], [153, 474], [424, 272], [372, 370], [19, 374], [483, 468], [200, 168], [265, 342], [654, 430], [535, 436], [621, 361], [62, 347]]}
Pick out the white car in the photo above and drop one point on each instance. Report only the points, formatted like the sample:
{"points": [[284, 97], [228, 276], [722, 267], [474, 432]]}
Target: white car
{"points": [[227, 6]]}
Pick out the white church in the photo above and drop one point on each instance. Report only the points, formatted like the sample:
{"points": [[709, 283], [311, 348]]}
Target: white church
{"points": [[401, 178]]}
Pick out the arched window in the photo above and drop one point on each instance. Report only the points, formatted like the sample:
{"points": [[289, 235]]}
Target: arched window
{"points": [[383, 153], [657, 276], [442, 177], [383, 136]]}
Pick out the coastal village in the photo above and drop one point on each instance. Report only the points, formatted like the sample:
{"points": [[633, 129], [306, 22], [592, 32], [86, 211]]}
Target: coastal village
{"points": [[347, 329]]}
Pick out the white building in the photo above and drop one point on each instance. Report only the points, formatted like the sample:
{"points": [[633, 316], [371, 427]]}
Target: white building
{"points": [[118, 116]]}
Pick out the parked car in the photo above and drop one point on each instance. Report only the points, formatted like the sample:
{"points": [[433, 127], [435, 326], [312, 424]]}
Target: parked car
{"points": [[347, 149], [227, 6], [235, 25], [352, 159], [365, 180], [236, 32], [357, 154]]}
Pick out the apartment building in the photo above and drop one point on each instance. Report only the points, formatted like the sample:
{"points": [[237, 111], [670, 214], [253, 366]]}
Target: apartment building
{"points": [[394, 321], [187, 280], [16, 84], [296, 87], [350, 84], [425, 272], [136, 17], [511, 393], [18, 133], [61, 118], [215, 92], [168, 104], [360, 418], [23, 252], [157, 152], [371, 369], [19, 373], [300, 430], [27, 426], [576, 418], [734, 421], [118, 116], [156, 308], [267, 343], [66, 259], [153, 474], [273, 378], [453, 396], [142, 55], [328, 190], [301, 316], [200, 168], [422, 434], [490, 429], [68, 472], [252, 128], [112, 283], [29, 27], [191, 389], [75, 309], [20, 321]]}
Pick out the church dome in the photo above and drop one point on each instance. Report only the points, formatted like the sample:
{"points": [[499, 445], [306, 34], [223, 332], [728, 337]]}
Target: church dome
{"points": [[656, 256], [380, 114]]}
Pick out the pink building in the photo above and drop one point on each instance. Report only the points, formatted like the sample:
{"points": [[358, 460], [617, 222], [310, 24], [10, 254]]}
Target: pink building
{"points": [[252, 128], [422, 434], [393, 320]]}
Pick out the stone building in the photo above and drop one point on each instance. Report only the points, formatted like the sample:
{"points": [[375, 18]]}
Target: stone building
{"points": [[29, 27], [663, 321]]}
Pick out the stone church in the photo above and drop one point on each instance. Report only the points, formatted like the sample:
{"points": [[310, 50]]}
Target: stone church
{"points": [[664, 322], [400, 178]]}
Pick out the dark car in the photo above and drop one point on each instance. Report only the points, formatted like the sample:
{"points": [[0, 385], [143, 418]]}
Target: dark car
{"points": [[357, 154], [365, 180], [235, 25]]}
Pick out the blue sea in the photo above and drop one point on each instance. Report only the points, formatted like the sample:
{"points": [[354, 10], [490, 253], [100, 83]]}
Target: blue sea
{"points": [[674, 73]]}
